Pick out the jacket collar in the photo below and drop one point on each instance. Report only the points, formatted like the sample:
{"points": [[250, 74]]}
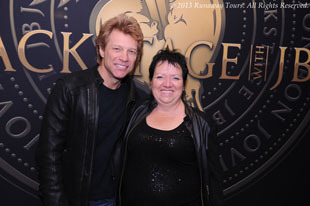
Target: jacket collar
{"points": [[99, 80], [97, 76], [132, 90]]}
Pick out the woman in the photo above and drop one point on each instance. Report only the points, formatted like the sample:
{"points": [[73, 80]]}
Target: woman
{"points": [[164, 158]]}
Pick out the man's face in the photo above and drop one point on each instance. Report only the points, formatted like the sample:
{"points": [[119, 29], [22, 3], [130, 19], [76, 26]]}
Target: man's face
{"points": [[119, 56]]}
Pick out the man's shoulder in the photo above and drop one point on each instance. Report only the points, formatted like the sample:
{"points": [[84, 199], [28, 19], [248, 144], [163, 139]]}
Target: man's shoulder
{"points": [[142, 91], [83, 75], [80, 78]]}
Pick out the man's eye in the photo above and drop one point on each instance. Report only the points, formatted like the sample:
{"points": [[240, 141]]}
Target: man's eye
{"points": [[133, 52], [116, 48]]}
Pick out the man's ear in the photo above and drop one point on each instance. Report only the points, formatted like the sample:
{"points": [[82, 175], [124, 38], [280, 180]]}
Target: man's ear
{"points": [[101, 52]]}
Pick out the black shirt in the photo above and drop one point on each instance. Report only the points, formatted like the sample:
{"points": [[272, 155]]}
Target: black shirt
{"points": [[112, 107], [161, 168]]}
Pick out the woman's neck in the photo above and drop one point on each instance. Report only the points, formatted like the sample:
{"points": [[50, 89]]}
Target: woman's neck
{"points": [[170, 110]]}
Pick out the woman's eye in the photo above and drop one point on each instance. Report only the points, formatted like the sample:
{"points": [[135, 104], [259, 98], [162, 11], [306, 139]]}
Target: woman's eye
{"points": [[176, 78]]}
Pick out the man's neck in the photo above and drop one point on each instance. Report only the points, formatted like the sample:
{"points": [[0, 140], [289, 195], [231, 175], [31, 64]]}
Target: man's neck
{"points": [[112, 85], [108, 81]]}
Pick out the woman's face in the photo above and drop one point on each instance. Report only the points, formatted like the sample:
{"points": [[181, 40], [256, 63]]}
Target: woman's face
{"points": [[167, 83]]}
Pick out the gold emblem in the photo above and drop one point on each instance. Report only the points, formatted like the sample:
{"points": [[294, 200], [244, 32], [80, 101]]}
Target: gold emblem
{"points": [[173, 24]]}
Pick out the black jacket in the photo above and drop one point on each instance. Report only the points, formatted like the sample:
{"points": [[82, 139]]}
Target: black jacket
{"points": [[65, 150], [209, 167]]}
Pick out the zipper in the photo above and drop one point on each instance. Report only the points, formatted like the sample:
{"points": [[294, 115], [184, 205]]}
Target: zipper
{"points": [[96, 108], [197, 156], [208, 193], [200, 173], [122, 173]]}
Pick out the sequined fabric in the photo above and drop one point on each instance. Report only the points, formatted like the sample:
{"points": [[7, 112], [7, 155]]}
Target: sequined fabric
{"points": [[161, 168]]}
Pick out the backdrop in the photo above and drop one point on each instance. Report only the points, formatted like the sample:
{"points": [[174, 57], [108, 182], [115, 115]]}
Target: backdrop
{"points": [[249, 70]]}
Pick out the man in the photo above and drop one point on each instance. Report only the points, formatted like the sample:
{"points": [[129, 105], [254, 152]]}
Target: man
{"points": [[84, 116]]}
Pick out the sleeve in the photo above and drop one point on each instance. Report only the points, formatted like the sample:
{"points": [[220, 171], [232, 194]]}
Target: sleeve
{"points": [[215, 172], [51, 146]]}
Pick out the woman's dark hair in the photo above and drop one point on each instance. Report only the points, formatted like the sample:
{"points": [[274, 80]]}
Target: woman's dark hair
{"points": [[173, 57]]}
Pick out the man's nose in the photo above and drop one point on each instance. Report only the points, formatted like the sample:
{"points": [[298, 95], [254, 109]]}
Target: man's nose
{"points": [[124, 56]]}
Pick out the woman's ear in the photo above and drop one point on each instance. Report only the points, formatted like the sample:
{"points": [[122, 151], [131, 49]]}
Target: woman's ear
{"points": [[151, 84]]}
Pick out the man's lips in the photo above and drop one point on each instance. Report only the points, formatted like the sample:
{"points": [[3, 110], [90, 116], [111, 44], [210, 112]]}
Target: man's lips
{"points": [[121, 66]]}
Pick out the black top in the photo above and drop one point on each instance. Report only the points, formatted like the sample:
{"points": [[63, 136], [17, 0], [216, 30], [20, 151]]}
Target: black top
{"points": [[161, 168], [112, 105]]}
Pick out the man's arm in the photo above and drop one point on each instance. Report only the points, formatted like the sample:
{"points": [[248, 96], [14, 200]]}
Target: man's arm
{"points": [[51, 146]]}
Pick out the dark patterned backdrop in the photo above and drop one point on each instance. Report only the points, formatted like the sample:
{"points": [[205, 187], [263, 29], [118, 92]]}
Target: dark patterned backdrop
{"points": [[249, 70]]}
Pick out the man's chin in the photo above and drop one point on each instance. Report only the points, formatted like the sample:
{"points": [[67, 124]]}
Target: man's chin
{"points": [[121, 75]]}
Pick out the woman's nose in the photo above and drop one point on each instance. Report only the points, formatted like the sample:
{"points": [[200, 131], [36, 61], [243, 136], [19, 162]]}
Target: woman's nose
{"points": [[167, 82]]}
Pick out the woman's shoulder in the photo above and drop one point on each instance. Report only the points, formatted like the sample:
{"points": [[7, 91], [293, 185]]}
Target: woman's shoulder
{"points": [[201, 115], [193, 111]]}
